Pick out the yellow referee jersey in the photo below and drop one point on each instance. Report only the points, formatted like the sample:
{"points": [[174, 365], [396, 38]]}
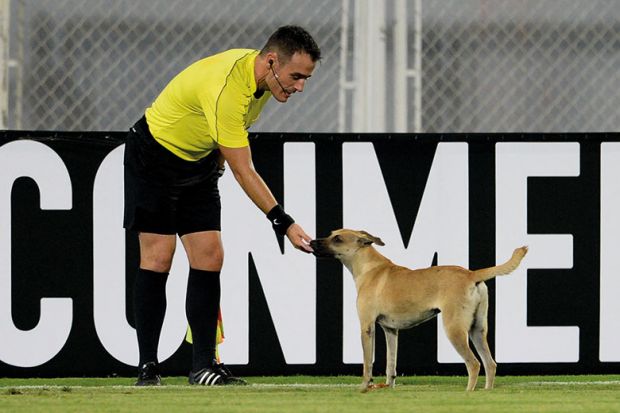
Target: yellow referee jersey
{"points": [[211, 102]]}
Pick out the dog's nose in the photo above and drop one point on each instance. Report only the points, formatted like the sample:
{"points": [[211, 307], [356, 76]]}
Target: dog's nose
{"points": [[317, 250]]}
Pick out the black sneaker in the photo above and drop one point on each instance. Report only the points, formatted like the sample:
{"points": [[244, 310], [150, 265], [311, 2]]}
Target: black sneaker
{"points": [[216, 375], [149, 375]]}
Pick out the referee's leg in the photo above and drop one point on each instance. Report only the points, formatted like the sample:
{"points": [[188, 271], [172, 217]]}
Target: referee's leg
{"points": [[206, 255], [156, 252], [204, 250]]}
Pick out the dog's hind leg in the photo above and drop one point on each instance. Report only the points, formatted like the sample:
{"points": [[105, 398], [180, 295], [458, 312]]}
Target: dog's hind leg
{"points": [[391, 341], [478, 336], [457, 335], [368, 347]]}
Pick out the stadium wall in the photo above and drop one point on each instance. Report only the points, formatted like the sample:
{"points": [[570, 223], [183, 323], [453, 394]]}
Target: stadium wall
{"points": [[67, 266]]}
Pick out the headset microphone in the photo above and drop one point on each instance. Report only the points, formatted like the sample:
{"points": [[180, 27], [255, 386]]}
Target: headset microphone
{"points": [[275, 75]]}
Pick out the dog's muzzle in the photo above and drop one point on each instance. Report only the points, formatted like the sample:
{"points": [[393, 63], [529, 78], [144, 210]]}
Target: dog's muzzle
{"points": [[319, 248]]}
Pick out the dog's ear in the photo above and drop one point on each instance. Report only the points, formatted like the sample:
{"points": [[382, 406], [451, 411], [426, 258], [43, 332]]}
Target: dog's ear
{"points": [[368, 239]]}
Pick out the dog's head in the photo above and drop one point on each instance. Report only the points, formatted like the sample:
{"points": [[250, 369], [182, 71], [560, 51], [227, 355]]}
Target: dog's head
{"points": [[343, 243]]}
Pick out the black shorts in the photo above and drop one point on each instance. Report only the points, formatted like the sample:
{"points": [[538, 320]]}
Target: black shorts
{"points": [[165, 194]]}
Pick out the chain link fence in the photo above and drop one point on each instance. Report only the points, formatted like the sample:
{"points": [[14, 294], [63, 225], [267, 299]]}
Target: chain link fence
{"points": [[96, 65], [487, 65], [523, 66]]}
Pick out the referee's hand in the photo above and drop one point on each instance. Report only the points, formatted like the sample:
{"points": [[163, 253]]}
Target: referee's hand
{"points": [[299, 238]]}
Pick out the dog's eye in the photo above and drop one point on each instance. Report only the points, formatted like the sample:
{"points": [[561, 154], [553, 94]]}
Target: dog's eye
{"points": [[337, 238]]}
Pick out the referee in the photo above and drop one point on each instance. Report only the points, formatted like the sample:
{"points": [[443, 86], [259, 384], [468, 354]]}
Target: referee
{"points": [[174, 156]]}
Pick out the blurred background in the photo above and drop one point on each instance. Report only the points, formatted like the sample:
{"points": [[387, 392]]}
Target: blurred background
{"points": [[388, 65]]}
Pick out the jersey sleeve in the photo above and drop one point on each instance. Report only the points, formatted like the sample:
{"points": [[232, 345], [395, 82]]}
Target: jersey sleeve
{"points": [[231, 107]]}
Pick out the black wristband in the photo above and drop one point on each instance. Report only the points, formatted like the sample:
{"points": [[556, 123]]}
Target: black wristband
{"points": [[280, 220]]}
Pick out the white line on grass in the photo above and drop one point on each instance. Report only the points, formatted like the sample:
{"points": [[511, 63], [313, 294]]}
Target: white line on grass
{"points": [[568, 383], [297, 385], [185, 386]]}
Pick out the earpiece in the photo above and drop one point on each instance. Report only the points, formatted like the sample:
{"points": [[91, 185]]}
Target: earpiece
{"points": [[275, 75]]}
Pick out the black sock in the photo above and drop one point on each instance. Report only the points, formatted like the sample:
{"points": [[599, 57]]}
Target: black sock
{"points": [[149, 303], [202, 305]]}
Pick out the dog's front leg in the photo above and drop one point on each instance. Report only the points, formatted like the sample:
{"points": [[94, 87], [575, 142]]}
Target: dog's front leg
{"points": [[368, 347], [391, 341]]}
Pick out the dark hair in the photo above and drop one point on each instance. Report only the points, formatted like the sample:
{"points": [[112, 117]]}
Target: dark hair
{"points": [[288, 40]]}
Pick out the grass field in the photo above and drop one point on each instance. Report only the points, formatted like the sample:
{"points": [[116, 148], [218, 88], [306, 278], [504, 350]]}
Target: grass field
{"points": [[315, 394]]}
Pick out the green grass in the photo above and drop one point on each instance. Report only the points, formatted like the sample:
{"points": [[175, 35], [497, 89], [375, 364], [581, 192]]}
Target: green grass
{"points": [[315, 394]]}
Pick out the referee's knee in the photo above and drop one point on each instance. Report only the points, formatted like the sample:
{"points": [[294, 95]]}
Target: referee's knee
{"points": [[157, 263], [211, 260]]}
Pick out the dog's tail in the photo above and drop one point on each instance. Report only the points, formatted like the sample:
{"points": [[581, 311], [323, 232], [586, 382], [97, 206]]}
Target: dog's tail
{"points": [[503, 269]]}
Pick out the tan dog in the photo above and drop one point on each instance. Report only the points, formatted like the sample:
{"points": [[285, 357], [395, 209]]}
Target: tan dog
{"points": [[398, 298]]}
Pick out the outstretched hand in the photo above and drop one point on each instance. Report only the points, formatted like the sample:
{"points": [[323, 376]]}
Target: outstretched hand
{"points": [[299, 238]]}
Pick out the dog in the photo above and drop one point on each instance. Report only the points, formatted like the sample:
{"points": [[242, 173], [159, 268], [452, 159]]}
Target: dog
{"points": [[398, 298]]}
